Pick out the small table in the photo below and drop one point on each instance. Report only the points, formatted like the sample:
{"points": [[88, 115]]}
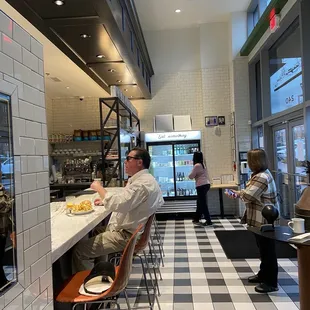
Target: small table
{"points": [[282, 234], [220, 188]]}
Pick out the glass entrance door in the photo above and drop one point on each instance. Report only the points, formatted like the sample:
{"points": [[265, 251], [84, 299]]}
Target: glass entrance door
{"points": [[297, 131], [290, 152]]}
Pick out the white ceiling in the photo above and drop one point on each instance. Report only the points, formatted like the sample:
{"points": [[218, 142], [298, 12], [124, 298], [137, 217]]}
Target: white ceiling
{"points": [[160, 14], [57, 64]]}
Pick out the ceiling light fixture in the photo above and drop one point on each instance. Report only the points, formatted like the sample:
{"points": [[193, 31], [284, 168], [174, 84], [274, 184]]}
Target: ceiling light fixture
{"points": [[100, 56], [125, 89], [178, 11], [84, 36], [119, 81], [59, 2], [67, 87], [112, 70]]}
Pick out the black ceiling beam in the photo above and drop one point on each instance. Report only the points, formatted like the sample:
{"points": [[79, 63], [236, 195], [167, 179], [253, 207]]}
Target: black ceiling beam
{"points": [[23, 8], [135, 24], [106, 62], [104, 10], [71, 21]]}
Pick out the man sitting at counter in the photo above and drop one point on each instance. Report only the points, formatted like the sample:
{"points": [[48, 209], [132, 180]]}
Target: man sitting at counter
{"points": [[132, 206]]}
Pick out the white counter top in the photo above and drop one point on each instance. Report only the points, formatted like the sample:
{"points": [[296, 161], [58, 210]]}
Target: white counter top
{"points": [[67, 230], [228, 185]]}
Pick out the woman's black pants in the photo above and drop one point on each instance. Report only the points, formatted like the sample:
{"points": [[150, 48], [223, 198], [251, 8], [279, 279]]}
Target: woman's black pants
{"points": [[268, 272], [202, 205]]}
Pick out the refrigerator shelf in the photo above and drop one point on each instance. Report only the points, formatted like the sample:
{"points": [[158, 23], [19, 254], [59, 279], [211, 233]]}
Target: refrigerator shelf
{"points": [[184, 181]]}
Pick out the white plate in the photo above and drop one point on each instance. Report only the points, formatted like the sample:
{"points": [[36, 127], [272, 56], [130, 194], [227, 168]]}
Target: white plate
{"points": [[82, 212]]}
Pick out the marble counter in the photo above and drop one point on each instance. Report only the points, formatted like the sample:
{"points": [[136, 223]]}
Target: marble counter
{"points": [[67, 230]]}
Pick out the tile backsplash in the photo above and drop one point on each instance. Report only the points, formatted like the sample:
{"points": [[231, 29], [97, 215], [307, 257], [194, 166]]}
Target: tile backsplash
{"points": [[21, 70]]}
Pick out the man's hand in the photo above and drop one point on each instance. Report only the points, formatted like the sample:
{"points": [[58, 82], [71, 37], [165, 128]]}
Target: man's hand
{"points": [[96, 186]]}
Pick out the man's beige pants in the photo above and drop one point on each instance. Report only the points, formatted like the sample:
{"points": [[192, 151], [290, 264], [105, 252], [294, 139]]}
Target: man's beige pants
{"points": [[103, 243]]}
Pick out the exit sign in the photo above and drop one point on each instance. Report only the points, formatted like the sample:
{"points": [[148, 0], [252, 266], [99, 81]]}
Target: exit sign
{"points": [[274, 20]]}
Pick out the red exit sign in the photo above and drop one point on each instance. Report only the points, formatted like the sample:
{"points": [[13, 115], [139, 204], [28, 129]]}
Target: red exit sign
{"points": [[274, 20]]}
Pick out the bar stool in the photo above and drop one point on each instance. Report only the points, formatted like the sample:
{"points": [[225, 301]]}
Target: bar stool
{"points": [[70, 293], [158, 241], [140, 253]]}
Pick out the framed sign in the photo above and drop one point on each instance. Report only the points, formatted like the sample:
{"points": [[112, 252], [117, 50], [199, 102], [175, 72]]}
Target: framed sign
{"points": [[221, 120], [211, 121]]}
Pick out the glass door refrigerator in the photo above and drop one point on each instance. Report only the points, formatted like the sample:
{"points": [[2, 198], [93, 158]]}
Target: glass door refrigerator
{"points": [[172, 161]]}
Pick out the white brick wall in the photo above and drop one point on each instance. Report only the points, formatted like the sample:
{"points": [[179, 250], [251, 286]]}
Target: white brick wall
{"points": [[72, 113], [49, 114], [20, 62], [197, 93], [241, 106]]}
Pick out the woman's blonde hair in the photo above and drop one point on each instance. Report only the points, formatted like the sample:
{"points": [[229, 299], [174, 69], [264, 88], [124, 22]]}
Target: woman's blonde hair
{"points": [[257, 160]]}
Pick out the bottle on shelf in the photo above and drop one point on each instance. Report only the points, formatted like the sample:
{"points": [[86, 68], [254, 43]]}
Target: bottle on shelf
{"points": [[183, 177]]}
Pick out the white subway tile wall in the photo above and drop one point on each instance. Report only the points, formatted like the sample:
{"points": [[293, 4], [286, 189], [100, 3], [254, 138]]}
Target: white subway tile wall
{"points": [[21, 64], [68, 114], [198, 93], [241, 106]]}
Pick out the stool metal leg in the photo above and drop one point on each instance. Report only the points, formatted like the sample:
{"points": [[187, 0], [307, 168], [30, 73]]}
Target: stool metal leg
{"points": [[145, 281], [127, 300], [158, 236], [154, 269], [156, 262], [152, 282]]}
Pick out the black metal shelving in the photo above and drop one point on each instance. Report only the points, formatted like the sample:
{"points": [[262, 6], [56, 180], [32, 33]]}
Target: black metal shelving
{"points": [[115, 117]]}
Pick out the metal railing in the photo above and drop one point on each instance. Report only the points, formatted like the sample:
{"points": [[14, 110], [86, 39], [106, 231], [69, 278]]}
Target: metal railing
{"points": [[290, 187]]}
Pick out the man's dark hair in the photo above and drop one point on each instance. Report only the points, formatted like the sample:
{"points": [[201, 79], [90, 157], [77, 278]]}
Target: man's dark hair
{"points": [[144, 155]]}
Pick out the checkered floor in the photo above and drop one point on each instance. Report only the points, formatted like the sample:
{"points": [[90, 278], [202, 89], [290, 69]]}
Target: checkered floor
{"points": [[197, 275]]}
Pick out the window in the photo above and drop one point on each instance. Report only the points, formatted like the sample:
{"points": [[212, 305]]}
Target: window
{"points": [[285, 71], [255, 16], [260, 134], [7, 221], [258, 84]]}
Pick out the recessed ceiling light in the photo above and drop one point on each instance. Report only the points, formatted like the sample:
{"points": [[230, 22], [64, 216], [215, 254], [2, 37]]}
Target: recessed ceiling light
{"points": [[131, 96], [59, 2], [85, 36], [125, 89], [67, 87], [100, 56], [119, 81], [178, 11], [112, 70]]}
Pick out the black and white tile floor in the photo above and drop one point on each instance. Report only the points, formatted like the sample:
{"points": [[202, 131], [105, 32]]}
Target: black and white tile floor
{"points": [[198, 276]]}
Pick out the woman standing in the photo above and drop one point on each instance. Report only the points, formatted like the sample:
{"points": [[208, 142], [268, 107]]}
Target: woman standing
{"points": [[259, 192], [201, 176]]}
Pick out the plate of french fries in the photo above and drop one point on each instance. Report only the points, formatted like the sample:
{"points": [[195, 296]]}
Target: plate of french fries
{"points": [[84, 207]]}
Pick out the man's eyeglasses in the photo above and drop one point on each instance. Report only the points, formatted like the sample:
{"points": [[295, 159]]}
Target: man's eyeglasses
{"points": [[131, 157]]}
